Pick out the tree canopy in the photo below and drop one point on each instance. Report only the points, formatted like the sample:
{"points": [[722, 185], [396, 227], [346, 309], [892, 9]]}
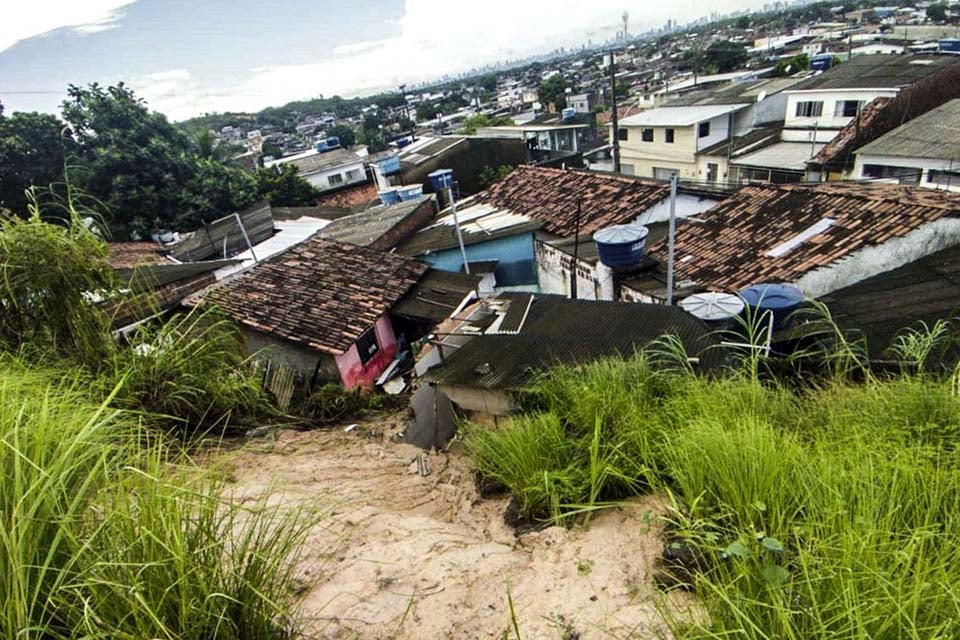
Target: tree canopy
{"points": [[474, 122], [553, 91], [286, 188]]}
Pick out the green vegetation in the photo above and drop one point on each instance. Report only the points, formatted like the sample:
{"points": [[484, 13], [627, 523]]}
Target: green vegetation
{"points": [[286, 188], [937, 12], [553, 91], [491, 175], [825, 509], [474, 122], [794, 65]]}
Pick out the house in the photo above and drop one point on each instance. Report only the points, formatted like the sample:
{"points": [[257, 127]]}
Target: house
{"points": [[382, 227], [819, 107], [498, 349], [669, 140], [582, 102], [322, 308], [924, 151], [543, 141], [326, 170], [821, 238]]}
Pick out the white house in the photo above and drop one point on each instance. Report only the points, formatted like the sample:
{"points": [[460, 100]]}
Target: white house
{"points": [[923, 152], [328, 170], [823, 104]]}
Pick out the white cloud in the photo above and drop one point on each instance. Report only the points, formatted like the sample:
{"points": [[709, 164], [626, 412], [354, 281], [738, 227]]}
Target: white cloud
{"points": [[436, 37], [23, 20]]}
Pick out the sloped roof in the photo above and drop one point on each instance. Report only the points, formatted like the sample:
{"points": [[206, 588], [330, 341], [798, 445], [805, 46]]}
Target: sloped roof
{"points": [[842, 144], [935, 134], [320, 294], [127, 255], [550, 196], [728, 248], [371, 226], [881, 71], [679, 116], [734, 92], [324, 161], [555, 330]]}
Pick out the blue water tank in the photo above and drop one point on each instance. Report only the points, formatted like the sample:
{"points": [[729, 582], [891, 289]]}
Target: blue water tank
{"points": [[389, 196], [321, 146], [777, 298], [621, 245], [411, 192], [568, 114], [949, 45], [821, 62], [441, 178]]}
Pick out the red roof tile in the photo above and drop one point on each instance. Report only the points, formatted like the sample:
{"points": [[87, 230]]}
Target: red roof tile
{"points": [[127, 255], [728, 247], [320, 294], [550, 196]]}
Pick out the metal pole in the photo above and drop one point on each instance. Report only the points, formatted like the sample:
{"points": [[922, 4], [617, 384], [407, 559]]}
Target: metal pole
{"points": [[456, 225], [671, 237], [243, 230], [576, 247], [613, 115]]}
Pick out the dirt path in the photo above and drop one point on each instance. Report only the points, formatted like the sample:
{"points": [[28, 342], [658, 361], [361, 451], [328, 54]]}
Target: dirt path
{"points": [[407, 556]]}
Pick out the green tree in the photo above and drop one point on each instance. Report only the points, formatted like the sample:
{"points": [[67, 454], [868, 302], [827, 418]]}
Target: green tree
{"points": [[134, 160], [472, 123], [724, 56], [348, 136], [33, 151], [208, 146], [490, 175], [214, 190], [937, 12], [553, 91], [794, 65], [285, 188]]}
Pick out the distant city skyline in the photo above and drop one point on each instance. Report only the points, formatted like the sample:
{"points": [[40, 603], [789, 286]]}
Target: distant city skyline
{"points": [[188, 58]]}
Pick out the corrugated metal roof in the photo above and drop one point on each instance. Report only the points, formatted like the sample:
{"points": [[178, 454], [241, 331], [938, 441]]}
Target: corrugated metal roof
{"points": [[935, 134], [881, 71], [557, 330], [679, 116]]}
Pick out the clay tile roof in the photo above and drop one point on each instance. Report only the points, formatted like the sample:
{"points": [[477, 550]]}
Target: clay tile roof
{"points": [[550, 196], [321, 294], [728, 249], [127, 255], [843, 144]]}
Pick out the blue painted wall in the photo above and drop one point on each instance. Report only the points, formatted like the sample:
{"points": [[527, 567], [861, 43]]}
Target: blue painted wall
{"points": [[517, 263]]}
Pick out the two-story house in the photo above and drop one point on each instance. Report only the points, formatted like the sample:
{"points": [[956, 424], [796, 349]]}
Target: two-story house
{"points": [[819, 107], [668, 140], [326, 170]]}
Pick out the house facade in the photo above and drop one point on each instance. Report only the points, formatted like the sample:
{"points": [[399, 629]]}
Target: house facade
{"points": [[669, 140]]}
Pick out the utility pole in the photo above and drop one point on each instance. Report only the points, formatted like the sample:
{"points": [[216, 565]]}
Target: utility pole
{"points": [[613, 112], [671, 237], [576, 255]]}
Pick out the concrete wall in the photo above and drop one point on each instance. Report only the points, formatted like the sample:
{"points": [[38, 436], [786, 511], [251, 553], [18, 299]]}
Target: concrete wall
{"points": [[421, 216], [485, 401], [353, 373], [926, 164], [304, 360], [553, 273], [828, 119], [468, 159], [321, 179], [515, 253]]}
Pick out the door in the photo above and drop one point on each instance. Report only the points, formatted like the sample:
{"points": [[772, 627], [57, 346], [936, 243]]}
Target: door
{"points": [[712, 170]]}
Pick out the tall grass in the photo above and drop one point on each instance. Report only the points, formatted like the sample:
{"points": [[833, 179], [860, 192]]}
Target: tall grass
{"points": [[829, 509], [102, 535]]}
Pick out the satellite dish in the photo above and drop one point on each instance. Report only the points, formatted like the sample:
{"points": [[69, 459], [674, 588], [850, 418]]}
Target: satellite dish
{"points": [[761, 96]]}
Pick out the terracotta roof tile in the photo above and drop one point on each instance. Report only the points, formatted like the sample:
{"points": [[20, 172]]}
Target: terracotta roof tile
{"points": [[731, 241], [320, 293], [550, 196]]}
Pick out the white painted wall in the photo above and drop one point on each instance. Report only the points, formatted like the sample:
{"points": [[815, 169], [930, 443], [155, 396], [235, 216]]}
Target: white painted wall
{"points": [[827, 120], [719, 131], [321, 179], [892, 254], [926, 164]]}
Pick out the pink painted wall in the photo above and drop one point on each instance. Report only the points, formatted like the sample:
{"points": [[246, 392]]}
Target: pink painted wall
{"points": [[355, 374]]}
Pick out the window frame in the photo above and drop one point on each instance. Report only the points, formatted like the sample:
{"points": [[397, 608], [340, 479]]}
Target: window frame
{"points": [[703, 129], [367, 345], [646, 134], [809, 109], [669, 135]]}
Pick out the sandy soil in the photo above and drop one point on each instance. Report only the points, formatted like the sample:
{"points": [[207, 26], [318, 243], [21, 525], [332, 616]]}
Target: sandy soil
{"points": [[400, 555]]}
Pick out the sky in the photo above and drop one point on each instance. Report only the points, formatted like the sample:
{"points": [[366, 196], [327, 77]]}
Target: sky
{"points": [[189, 57]]}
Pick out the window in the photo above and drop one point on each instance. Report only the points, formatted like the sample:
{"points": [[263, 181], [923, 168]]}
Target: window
{"points": [[646, 135], [847, 108], [810, 109], [703, 129], [903, 175], [367, 346], [353, 175], [663, 174], [335, 179], [626, 169], [622, 133], [944, 178], [668, 135]]}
